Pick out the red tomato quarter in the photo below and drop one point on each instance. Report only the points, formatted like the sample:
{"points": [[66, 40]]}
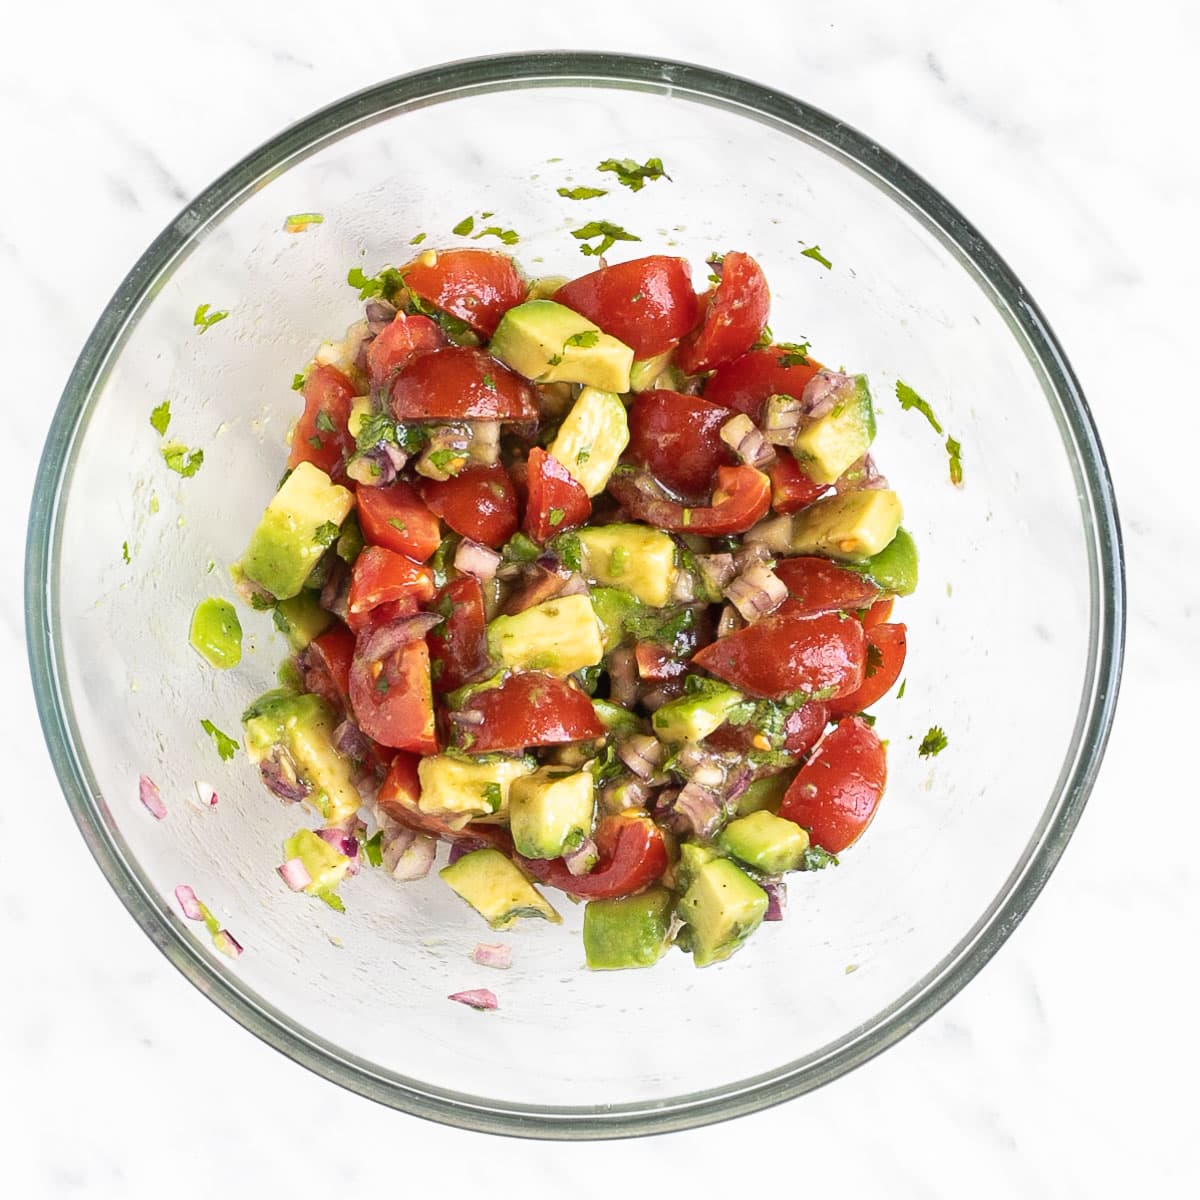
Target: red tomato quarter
{"points": [[835, 794], [480, 503], [391, 349], [392, 698], [741, 500], [648, 303], [886, 648], [477, 286], [321, 436], [879, 612], [529, 708], [788, 653], [396, 518], [747, 381], [632, 855], [791, 489], [556, 501], [328, 660], [733, 319], [380, 576], [459, 383], [458, 647], [820, 586], [678, 439]]}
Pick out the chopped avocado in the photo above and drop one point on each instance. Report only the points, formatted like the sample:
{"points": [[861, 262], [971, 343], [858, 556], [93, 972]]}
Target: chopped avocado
{"points": [[852, 527], [645, 371], [557, 636], [692, 856], [303, 726], [300, 619], [840, 438], [291, 537], [723, 906], [548, 343], [637, 558], [629, 932], [326, 866], [766, 842], [551, 811], [693, 718], [545, 287], [616, 719], [894, 568], [765, 793], [611, 606], [492, 885], [458, 790], [216, 633], [361, 411], [592, 438]]}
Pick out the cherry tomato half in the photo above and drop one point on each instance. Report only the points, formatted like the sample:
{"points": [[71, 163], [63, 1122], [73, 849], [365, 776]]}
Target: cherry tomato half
{"points": [[392, 698], [458, 647], [480, 503], [400, 795], [820, 586], [733, 319], [396, 518], [741, 500], [380, 576], [404, 338], [328, 660], [477, 286], [632, 855], [678, 439], [321, 436], [530, 708], [791, 489], [556, 501], [886, 649], [747, 381], [459, 383]]}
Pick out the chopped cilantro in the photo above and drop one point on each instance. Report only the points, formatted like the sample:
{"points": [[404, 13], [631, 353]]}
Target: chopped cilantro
{"points": [[226, 746], [585, 338], [589, 679], [125, 551], [909, 399], [416, 239], [934, 742], [817, 858], [385, 284], [520, 549], [398, 525], [378, 427], [584, 454], [814, 252], [463, 227], [492, 797], [327, 533], [606, 766], [381, 685], [331, 898], [297, 381], [315, 442], [569, 550], [556, 516], [444, 459], [954, 450], [204, 319], [299, 222], [160, 417], [608, 234], [489, 382], [582, 193], [442, 559], [874, 659], [632, 175], [372, 847], [411, 438], [795, 354], [181, 460], [900, 693], [509, 237], [324, 422]]}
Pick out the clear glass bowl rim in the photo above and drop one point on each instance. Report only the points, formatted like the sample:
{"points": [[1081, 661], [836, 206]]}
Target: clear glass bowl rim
{"points": [[1097, 501]]}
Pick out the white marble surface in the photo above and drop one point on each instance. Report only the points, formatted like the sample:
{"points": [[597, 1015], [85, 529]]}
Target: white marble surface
{"points": [[1066, 1068]]}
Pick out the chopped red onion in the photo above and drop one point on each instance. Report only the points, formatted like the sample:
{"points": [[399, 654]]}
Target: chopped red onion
{"points": [[666, 815], [335, 591], [471, 558], [654, 699], [278, 772], [495, 955], [700, 807], [342, 840], [151, 797], [380, 314], [484, 446], [629, 793], [744, 438], [782, 421], [824, 391], [582, 859], [349, 740], [622, 677], [730, 621], [757, 592], [227, 943], [716, 570], [295, 874], [467, 716], [409, 855], [740, 781], [360, 358], [860, 476], [538, 583], [641, 753], [478, 998], [576, 585], [188, 902], [206, 796], [455, 438], [684, 589], [387, 639], [776, 891]]}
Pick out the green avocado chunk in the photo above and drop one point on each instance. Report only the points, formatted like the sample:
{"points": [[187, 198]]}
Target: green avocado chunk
{"points": [[636, 558], [894, 568], [766, 842], [693, 718], [551, 811], [495, 888], [851, 527], [301, 619], [723, 907], [557, 636], [629, 932], [839, 439]]}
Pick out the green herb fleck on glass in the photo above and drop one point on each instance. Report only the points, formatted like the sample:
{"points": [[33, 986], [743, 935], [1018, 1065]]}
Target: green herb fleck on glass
{"points": [[160, 417], [900, 692], [582, 193], [509, 237], [814, 252], [226, 746], [795, 354], [633, 175], [463, 227], [204, 319], [299, 222], [954, 450], [417, 239], [608, 234], [934, 742], [181, 460], [125, 551], [386, 284], [297, 381], [817, 858], [909, 399]]}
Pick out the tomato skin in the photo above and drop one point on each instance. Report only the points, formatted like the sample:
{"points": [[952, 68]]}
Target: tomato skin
{"points": [[380, 576], [820, 586], [656, 663], [879, 612], [552, 491], [741, 499], [328, 674], [665, 310], [460, 644], [747, 381], [733, 319], [392, 699], [530, 708], [836, 793], [787, 652], [415, 532], [480, 503], [678, 439], [452, 384], [891, 642], [399, 797], [477, 286], [632, 855], [398, 342], [791, 489], [326, 391]]}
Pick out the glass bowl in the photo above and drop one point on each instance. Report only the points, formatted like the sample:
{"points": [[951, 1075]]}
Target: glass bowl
{"points": [[1014, 634]]}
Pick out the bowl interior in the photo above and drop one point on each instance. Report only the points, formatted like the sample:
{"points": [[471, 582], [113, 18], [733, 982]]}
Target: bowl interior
{"points": [[1010, 632]]}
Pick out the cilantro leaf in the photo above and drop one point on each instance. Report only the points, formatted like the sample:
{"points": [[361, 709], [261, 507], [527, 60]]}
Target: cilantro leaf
{"points": [[608, 234], [160, 417], [954, 450], [509, 237], [632, 175], [874, 659], [125, 551], [181, 460], [203, 319], [492, 797], [297, 381], [556, 516], [585, 339], [324, 422], [814, 252], [568, 548], [226, 746], [582, 193], [378, 427], [817, 858], [463, 227], [385, 284], [909, 399], [900, 692], [398, 525], [934, 742], [326, 534], [299, 222], [416, 239], [795, 354], [373, 848]]}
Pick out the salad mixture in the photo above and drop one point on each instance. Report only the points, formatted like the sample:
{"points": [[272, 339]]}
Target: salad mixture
{"points": [[590, 579]]}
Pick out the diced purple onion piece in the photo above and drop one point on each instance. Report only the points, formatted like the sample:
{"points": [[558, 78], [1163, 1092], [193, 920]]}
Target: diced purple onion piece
{"points": [[349, 740], [484, 446], [295, 874], [776, 899], [738, 783], [667, 815], [494, 954], [227, 943], [641, 753], [583, 858], [410, 857], [344, 842], [478, 998], [151, 797], [744, 438], [188, 903], [387, 639], [279, 774], [700, 807], [335, 591], [730, 621], [576, 585], [654, 699], [630, 793], [467, 716], [471, 558], [860, 476], [823, 392], [716, 570], [782, 421], [756, 592], [380, 314], [622, 676], [206, 795], [684, 589]]}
